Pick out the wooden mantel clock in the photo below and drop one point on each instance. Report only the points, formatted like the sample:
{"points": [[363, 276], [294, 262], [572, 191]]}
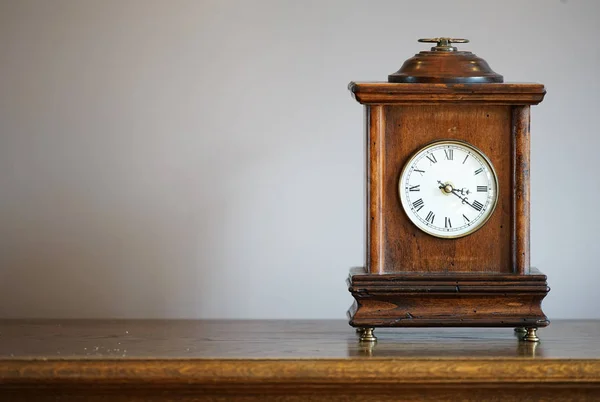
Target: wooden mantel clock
{"points": [[447, 240]]}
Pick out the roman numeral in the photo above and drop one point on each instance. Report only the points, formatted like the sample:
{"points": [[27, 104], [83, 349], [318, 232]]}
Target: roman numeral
{"points": [[431, 158], [478, 171], [464, 160], [430, 217], [447, 223], [482, 189], [449, 154], [418, 204], [467, 220], [477, 205], [415, 188], [420, 171]]}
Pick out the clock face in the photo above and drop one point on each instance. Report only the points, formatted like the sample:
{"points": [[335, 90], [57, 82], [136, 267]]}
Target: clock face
{"points": [[448, 189]]}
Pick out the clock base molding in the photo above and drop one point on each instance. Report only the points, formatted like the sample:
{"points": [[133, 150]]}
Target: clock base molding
{"points": [[425, 299]]}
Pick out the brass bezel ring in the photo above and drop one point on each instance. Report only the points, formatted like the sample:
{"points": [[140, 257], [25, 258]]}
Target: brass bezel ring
{"points": [[476, 151]]}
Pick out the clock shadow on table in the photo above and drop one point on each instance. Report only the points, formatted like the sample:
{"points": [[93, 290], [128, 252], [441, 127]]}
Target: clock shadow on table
{"points": [[443, 343]]}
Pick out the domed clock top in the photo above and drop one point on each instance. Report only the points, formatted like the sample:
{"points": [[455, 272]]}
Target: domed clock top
{"points": [[444, 63]]}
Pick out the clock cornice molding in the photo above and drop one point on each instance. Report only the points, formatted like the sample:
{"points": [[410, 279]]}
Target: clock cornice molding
{"points": [[382, 93]]}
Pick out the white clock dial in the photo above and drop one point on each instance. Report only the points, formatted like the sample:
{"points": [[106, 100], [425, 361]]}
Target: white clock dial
{"points": [[448, 189]]}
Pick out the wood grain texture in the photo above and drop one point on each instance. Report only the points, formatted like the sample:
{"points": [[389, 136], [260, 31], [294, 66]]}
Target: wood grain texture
{"points": [[521, 188], [405, 247], [143, 340], [447, 299], [292, 360], [383, 93], [375, 200]]}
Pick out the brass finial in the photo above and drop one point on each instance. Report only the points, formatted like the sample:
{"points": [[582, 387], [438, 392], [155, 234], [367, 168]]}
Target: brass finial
{"points": [[443, 44]]}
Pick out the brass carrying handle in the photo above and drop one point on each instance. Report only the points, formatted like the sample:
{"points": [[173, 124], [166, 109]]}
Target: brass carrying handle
{"points": [[443, 44], [443, 41]]}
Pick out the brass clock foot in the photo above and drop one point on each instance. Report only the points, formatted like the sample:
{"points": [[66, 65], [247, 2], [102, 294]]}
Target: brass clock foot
{"points": [[520, 330], [531, 335], [366, 335]]}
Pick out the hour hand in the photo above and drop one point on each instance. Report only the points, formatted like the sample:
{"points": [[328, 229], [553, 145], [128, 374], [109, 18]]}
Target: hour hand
{"points": [[449, 188]]}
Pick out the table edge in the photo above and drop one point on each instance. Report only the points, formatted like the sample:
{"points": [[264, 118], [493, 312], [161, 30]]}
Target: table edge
{"points": [[298, 371]]}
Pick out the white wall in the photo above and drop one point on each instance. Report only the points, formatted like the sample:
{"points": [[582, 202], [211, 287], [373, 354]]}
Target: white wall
{"points": [[204, 159]]}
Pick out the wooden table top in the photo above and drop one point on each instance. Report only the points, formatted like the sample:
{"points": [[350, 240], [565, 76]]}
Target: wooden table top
{"points": [[48, 340], [254, 353]]}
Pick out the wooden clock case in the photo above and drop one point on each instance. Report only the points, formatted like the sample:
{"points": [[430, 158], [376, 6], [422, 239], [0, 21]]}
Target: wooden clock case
{"points": [[412, 279]]}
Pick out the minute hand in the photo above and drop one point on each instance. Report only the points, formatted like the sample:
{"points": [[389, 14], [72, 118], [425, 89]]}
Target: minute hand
{"points": [[464, 199]]}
